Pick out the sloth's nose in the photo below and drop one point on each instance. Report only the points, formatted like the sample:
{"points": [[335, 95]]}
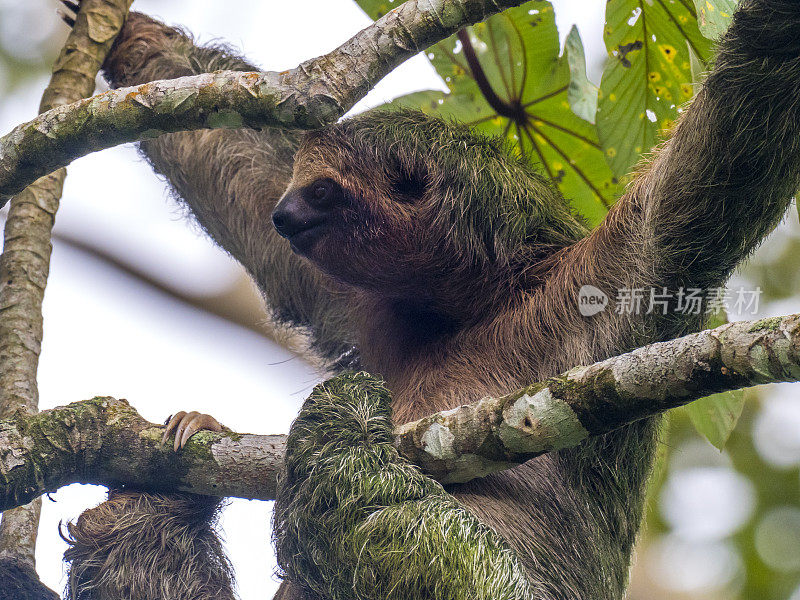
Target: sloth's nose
{"points": [[282, 222], [292, 216]]}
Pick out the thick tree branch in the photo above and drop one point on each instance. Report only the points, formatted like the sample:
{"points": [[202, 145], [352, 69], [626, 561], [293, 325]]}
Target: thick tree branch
{"points": [[495, 433], [315, 93], [105, 441], [25, 263]]}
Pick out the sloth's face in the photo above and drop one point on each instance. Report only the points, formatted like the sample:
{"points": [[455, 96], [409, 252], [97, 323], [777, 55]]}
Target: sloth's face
{"points": [[409, 205], [372, 232], [306, 213], [360, 238]]}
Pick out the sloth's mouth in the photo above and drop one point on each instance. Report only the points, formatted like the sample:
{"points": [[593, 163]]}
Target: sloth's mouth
{"points": [[303, 240]]}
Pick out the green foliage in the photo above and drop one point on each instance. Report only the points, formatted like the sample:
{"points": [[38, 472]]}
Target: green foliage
{"points": [[714, 16], [525, 90], [518, 53], [648, 75], [396, 533], [715, 416]]}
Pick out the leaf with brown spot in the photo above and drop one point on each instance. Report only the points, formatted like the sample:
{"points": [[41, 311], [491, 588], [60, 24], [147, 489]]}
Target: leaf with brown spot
{"points": [[648, 75], [714, 16]]}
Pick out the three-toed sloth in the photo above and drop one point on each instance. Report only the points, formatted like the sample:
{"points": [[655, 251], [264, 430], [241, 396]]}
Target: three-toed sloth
{"points": [[454, 268]]}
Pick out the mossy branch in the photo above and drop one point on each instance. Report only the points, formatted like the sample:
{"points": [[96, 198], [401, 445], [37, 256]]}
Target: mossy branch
{"points": [[105, 441], [315, 93], [496, 433]]}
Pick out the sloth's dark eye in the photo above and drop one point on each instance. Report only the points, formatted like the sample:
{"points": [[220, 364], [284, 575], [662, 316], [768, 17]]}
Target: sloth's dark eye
{"points": [[321, 191]]}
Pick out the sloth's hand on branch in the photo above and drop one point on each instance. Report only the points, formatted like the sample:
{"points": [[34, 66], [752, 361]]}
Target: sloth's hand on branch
{"points": [[184, 425]]}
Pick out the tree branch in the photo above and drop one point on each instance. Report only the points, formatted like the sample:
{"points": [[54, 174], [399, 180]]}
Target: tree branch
{"points": [[496, 433], [315, 93], [105, 441], [25, 263]]}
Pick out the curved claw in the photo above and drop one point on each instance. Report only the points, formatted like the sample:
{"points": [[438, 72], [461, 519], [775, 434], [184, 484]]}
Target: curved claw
{"points": [[70, 21], [184, 425], [171, 424], [73, 6]]}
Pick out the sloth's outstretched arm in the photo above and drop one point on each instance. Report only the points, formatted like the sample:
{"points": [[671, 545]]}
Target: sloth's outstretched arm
{"points": [[726, 175], [230, 179]]}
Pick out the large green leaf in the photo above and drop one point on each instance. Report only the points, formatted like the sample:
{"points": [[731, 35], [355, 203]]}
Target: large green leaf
{"points": [[648, 75], [715, 416], [714, 16], [520, 66]]}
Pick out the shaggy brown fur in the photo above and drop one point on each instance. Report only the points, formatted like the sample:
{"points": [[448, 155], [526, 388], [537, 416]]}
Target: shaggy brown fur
{"points": [[450, 295], [148, 546]]}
